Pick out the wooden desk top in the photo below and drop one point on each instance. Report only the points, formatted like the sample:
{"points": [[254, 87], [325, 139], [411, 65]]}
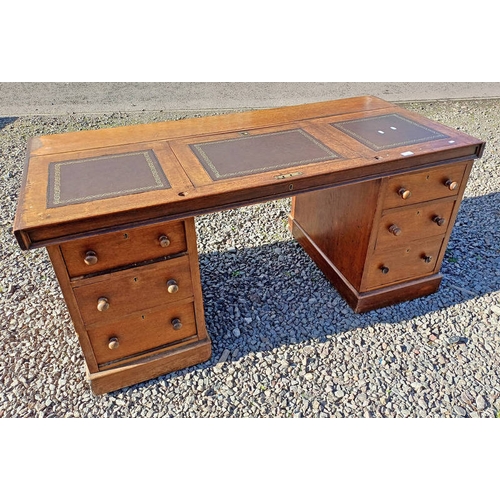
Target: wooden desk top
{"points": [[83, 183]]}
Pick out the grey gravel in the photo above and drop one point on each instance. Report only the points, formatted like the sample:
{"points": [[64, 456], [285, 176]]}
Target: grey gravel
{"points": [[284, 342]]}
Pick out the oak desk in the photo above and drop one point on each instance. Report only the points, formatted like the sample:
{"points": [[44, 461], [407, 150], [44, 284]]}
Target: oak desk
{"points": [[375, 192]]}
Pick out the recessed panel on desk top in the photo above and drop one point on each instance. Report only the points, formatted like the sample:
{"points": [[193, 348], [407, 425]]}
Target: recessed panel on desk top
{"points": [[251, 154], [388, 131], [71, 193], [108, 176], [264, 162]]}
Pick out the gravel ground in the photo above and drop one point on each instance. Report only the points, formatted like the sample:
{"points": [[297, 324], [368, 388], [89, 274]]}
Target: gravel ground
{"points": [[284, 342]]}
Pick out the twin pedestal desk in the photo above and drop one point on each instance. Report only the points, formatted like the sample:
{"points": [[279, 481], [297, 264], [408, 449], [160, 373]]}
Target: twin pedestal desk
{"points": [[375, 192]]}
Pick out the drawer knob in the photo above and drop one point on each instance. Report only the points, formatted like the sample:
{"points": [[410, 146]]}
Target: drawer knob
{"points": [[164, 241], [176, 323], [90, 258], [404, 193], [427, 258], [451, 185], [438, 220], [384, 269], [172, 286], [113, 343], [395, 230], [102, 304]]}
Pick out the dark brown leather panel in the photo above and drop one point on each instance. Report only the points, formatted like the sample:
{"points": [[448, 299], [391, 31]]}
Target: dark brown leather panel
{"points": [[387, 131], [97, 178], [251, 154]]}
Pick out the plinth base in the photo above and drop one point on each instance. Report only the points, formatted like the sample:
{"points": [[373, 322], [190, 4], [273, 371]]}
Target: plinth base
{"points": [[150, 367]]}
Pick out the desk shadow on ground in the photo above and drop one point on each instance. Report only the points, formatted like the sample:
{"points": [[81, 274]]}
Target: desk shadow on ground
{"points": [[264, 297], [6, 120]]}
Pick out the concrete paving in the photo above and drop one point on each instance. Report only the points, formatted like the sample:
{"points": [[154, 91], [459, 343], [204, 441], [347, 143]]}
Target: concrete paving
{"points": [[42, 98]]}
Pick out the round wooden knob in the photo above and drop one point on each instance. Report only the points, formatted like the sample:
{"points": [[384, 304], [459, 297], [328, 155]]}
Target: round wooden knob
{"points": [[164, 241], [438, 220], [90, 258], [427, 258], [451, 185], [113, 343], [404, 193], [395, 230], [384, 270], [172, 286], [102, 304], [176, 323]]}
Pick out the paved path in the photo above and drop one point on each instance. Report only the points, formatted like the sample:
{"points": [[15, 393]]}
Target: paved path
{"points": [[18, 99]]}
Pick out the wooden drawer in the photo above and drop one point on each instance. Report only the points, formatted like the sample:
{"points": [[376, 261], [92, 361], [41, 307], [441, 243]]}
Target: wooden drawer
{"points": [[132, 290], [398, 227], [142, 332], [122, 248], [417, 259], [428, 184]]}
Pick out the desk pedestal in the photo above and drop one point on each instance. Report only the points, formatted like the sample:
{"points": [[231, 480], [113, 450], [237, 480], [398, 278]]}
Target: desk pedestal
{"points": [[135, 299], [382, 241]]}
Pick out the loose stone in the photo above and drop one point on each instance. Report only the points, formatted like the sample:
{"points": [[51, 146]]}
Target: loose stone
{"points": [[459, 411], [480, 402]]}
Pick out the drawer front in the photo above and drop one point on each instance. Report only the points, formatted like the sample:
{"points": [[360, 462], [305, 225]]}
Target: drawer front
{"points": [[110, 297], [409, 262], [142, 332], [398, 227], [122, 248], [428, 184]]}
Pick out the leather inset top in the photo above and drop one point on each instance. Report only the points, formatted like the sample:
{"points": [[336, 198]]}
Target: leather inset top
{"points": [[251, 154], [97, 178], [387, 131]]}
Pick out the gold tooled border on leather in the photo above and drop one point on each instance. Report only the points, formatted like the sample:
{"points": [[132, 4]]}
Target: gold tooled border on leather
{"points": [[433, 135], [150, 177]]}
